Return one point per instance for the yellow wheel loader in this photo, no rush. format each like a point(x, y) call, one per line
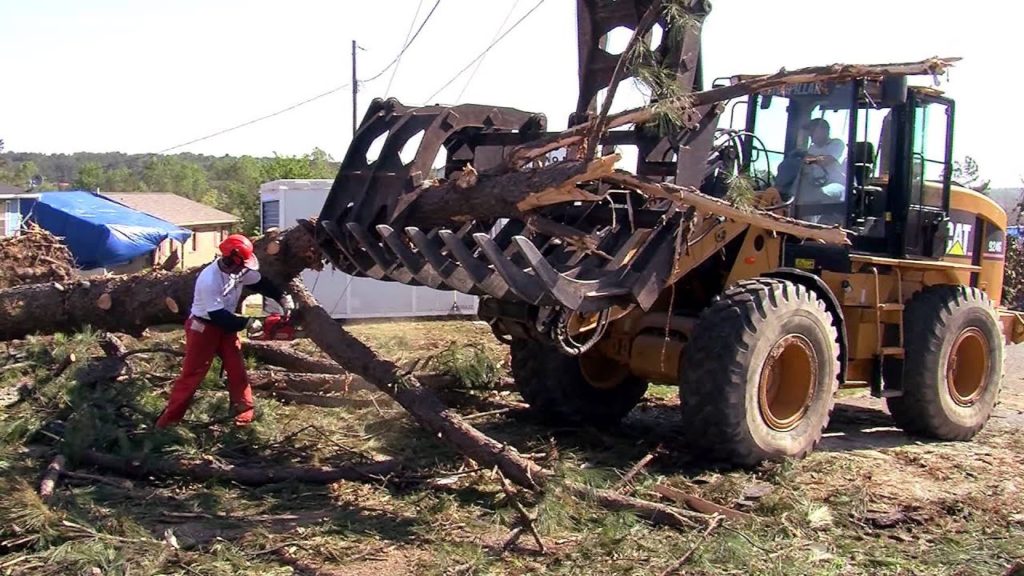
point(759, 321)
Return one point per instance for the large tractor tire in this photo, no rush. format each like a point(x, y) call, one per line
point(759, 377)
point(953, 366)
point(557, 388)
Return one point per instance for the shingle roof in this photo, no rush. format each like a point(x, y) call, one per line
point(172, 208)
point(8, 189)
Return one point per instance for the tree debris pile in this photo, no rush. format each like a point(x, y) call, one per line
point(360, 489)
point(34, 257)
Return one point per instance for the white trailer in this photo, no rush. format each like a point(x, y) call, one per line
point(283, 202)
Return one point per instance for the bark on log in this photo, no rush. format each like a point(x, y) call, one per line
point(139, 300)
point(286, 357)
point(307, 383)
point(502, 195)
point(835, 73)
point(248, 476)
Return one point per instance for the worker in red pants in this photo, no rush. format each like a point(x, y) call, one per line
point(212, 329)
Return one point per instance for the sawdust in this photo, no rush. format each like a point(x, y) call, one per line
point(34, 257)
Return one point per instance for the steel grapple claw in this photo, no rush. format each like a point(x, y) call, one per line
point(614, 248)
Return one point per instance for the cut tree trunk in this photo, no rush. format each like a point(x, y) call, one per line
point(140, 300)
point(502, 196)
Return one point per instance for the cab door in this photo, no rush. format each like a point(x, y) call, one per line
point(928, 177)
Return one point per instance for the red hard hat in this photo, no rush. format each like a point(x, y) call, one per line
point(239, 248)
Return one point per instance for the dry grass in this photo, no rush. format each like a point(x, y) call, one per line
point(870, 501)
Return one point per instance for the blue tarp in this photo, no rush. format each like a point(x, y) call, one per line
point(100, 232)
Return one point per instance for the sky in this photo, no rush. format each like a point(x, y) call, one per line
point(131, 76)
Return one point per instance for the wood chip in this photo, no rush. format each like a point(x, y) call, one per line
point(757, 490)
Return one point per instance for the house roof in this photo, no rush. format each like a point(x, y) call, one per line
point(8, 189)
point(172, 208)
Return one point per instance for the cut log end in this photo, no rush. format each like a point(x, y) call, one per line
point(50, 477)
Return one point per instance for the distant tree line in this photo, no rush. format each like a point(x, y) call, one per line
point(228, 183)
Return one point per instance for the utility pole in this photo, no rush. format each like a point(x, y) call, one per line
point(355, 88)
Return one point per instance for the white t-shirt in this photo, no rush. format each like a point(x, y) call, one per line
point(836, 149)
point(216, 289)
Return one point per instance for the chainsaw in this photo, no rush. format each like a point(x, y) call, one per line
point(274, 327)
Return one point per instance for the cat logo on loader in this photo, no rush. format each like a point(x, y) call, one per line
point(959, 238)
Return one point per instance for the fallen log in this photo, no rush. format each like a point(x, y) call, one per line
point(427, 409)
point(318, 400)
point(286, 357)
point(419, 401)
point(140, 300)
point(247, 476)
point(502, 195)
point(525, 153)
point(307, 383)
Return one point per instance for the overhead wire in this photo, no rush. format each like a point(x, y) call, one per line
point(485, 51)
point(312, 99)
point(260, 119)
point(408, 34)
point(481, 61)
point(406, 47)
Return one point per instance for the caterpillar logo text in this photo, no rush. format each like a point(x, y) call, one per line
point(959, 238)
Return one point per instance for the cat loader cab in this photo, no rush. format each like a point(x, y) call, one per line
point(919, 286)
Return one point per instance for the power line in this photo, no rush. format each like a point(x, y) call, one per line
point(407, 35)
point(309, 100)
point(260, 119)
point(406, 47)
point(481, 61)
point(486, 50)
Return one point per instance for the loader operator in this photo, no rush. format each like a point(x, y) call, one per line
point(828, 153)
point(212, 329)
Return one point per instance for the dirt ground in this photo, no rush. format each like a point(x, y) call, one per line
point(871, 500)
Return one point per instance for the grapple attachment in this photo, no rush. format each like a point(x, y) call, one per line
point(571, 259)
point(582, 256)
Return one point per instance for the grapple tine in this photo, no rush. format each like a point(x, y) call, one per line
point(525, 285)
point(482, 275)
point(453, 274)
point(568, 292)
point(391, 268)
point(580, 295)
point(419, 269)
point(364, 266)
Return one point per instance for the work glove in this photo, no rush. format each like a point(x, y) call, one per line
point(287, 304)
point(254, 326)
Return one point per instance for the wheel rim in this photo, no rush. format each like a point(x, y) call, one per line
point(967, 367)
point(787, 382)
